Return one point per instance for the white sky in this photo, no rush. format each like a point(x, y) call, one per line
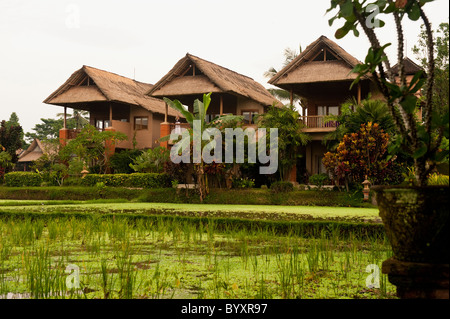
point(43, 42)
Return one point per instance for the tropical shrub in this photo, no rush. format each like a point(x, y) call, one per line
point(319, 179)
point(19, 179)
point(281, 187)
point(140, 180)
point(120, 161)
point(243, 183)
point(151, 161)
point(359, 155)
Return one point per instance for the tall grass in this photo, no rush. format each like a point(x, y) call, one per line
point(169, 257)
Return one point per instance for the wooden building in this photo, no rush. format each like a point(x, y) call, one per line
point(321, 75)
point(114, 103)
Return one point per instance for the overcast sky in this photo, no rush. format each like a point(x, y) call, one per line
point(44, 42)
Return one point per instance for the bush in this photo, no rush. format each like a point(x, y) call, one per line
point(243, 183)
point(438, 179)
point(19, 179)
point(281, 187)
point(141, 180)
point(319, 179)
point(120, 161)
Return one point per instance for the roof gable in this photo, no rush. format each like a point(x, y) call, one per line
point(90, 84)
point(325, 61)
point(193, 75)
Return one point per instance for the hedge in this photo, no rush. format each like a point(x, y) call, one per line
point(140, 180)
point(19, 179)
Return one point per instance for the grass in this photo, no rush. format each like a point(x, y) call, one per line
point(177, 258)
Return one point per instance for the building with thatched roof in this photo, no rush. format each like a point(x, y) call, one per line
point(321, 75)
point(115, 103)
point(34, 152)
point(232, 93)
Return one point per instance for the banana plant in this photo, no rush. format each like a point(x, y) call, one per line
point(198, 118)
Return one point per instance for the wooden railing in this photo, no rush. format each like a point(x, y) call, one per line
point(318, 122)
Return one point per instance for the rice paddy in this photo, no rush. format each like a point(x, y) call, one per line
point(117, 257)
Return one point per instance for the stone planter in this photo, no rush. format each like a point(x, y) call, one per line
point(416, 221)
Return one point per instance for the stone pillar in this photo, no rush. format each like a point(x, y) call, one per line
point(164, 130)
point(63, 137)
point(418, 280)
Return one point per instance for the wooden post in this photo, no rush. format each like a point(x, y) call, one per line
point(221, 105)
point(291, 95)
point(65, 116)
point(165, 113)
point(110, 114)
point(359, 92)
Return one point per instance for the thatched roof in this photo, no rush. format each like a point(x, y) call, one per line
point(90, 84)
point(36, 150)
point(209, 77)
point(304, 68)
point(410, 66)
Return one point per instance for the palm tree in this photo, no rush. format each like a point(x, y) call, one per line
point(289, 56)
point(79, 118)
point(354, 114)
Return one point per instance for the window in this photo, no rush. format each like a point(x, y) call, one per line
point(249, 116)
point(102, 124)
point(141, 123)
point(328, 110)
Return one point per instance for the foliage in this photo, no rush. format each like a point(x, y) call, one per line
point(200, 109)
point(19, 179)
point(89, 147)
point(120, 161)
point(243, 183)
point(319, 179)
point(10, 139)
point(440, 87)
point(5, 164)
point(141, 180)
point(151, 160)
point(354, 114)
point(290, 135)
point(360, 154)
point(415, 138)
point(289, 56)
point(438, 179)
point(281, 187)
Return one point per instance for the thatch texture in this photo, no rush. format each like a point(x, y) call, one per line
point(105, 86)
point(410, 66)
point(303, 70)
point(213, 78)
point(36, 150)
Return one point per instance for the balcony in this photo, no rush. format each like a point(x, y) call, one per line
point(316, 123)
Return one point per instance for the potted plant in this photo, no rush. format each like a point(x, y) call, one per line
point(415, 217)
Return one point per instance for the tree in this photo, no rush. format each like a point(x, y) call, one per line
point(10, 139)
point(289, 56)
point(290, 135)
point(420, 140)
point(200, 109)
point(78, 119)
point(353, 115)
point(359, 155)
point(440, 87)
point(89, 147)
point(47, 130)
point(14, 121)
